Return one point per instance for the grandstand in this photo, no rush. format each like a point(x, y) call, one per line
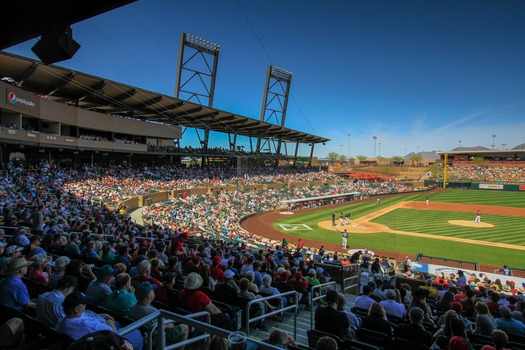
point(80, 155)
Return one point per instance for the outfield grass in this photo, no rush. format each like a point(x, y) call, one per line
point(508, 229)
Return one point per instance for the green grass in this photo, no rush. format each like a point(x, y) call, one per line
point(508, 229)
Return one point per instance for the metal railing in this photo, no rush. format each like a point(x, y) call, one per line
point(330, 284)
point(162, 315)
point(294, 307)
point(346, 284)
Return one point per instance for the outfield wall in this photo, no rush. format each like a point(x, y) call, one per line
point(484, 186)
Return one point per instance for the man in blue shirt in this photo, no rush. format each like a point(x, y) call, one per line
point(13, 291)
point(99, 289)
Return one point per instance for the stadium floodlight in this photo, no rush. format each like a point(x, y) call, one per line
point(200, 43)
point(280, 74)
point(493, 141)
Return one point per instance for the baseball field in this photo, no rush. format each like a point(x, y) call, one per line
point(407, 225)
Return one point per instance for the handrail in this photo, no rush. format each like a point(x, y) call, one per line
point(322, 296)
point(188, 320)
point(275, 312)
point(344, 287)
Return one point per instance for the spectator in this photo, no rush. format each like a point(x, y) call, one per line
point(216, 272)
point(49, 305)
point(329, 319)
point(83, 273)
point(122, 298)
point(144, 274)
point(267, 289)
point(13, 292)
point(39, 270)
point(500, 339)
point(11, 252)
point(193, 300)
point(364, 301)
point(58, 271)
point(77, 323)
point(376, 320)
point(228, 286)
point(445, 303)
point(281, 339)
point(494, 304)
point(244, 284)
point(414, 331)
point(468, 303)
point(508, 324)
point(73, 245)
point(208, 282)
point(391, 306)
point(419, 297)
point(459, 340)
point(326, 343)
point(355, 322)
point(100, 288)
point(485, 323)
point(456, 306)
point(145, 295)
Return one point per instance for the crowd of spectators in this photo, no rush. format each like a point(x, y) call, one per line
point(482, 173)
point(54, 226)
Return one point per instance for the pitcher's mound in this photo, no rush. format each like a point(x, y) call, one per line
point(469, 223)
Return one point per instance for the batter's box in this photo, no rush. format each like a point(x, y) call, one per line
point(295, 227)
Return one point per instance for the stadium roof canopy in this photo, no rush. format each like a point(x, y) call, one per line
point(27, 19)
point(94, 93)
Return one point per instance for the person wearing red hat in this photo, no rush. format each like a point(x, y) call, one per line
point(216, 272)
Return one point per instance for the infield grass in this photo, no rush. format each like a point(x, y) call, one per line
point(507, 229)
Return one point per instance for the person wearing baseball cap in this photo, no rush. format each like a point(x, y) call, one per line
point(13, 291)
point(79, 322)
point(99, 289)
point(145, 295)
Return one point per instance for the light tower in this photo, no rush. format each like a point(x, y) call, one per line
point(375, 139)
point(493, 141)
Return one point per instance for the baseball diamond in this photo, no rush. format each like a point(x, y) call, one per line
point(406, 225)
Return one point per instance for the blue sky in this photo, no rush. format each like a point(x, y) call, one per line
point(418, 75)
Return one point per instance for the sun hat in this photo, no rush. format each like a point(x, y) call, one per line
point(74, 299)
point(193, 281)
point(14, 265)
point(144, 289)
point(106, 270)
point(228, 274)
